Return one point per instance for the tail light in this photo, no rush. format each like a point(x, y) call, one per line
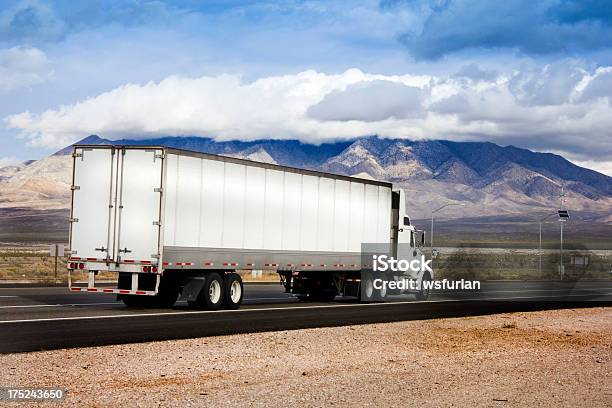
point(81, 266)
point(72, 265)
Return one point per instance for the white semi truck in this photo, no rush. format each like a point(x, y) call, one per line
point(173, 223)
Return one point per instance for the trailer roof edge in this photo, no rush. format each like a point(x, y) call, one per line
point(184, 152)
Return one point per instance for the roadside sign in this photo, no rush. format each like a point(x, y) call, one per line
point(563, 215)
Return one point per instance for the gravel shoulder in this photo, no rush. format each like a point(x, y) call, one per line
point(550, 358)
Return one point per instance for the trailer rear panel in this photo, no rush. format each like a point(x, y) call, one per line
point(116, 204)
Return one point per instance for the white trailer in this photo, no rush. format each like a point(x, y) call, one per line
point(175, 223)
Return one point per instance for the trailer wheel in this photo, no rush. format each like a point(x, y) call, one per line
point(211, 295)
point(234, 290)
point(423, 293)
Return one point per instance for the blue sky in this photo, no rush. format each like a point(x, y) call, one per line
point(533, 74)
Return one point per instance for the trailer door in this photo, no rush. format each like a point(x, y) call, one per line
point(91, 226)
point(139, 211)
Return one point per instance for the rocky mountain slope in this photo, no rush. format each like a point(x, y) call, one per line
point(485, 178)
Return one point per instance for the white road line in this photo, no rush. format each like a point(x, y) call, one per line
point(197, 312)
point(56, 305)
point(108, 303)
point(8, 296)
point(203, 312)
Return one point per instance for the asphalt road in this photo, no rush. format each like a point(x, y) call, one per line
point(43, 318)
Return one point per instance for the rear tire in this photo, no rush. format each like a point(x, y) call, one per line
point(234, 291)
point(211, 295)
point(367, 293)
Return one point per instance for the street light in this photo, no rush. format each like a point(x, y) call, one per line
point(563, 216)
point(432, 222)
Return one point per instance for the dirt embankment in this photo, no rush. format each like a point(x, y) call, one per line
point(553, 358)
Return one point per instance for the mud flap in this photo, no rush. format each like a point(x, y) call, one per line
point(192, 289)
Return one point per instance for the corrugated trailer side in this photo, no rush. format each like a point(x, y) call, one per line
point(221, 212)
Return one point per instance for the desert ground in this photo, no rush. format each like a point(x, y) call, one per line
point(548, 358)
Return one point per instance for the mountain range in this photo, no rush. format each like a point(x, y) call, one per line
point(485, 178)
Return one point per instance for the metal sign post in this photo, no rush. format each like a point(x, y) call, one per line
point(56, 250)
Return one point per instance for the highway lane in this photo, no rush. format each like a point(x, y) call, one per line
point(48, 318)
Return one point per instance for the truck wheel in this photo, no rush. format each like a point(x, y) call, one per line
point(383, 292)
point(234, 290)
point(367, 293)
point(423, 293)
point(211, 295)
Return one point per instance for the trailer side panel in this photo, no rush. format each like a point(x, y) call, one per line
point(219, 209)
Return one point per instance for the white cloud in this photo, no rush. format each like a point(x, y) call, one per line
point(552, 85)
point(598, 85)
point(22, 67)
point(314, 107)
point(370, 101)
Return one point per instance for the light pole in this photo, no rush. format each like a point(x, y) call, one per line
point(432, 223)
point(563, 216)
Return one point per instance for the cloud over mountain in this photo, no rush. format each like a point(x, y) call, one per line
point(561, 108)
point(370, 101)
